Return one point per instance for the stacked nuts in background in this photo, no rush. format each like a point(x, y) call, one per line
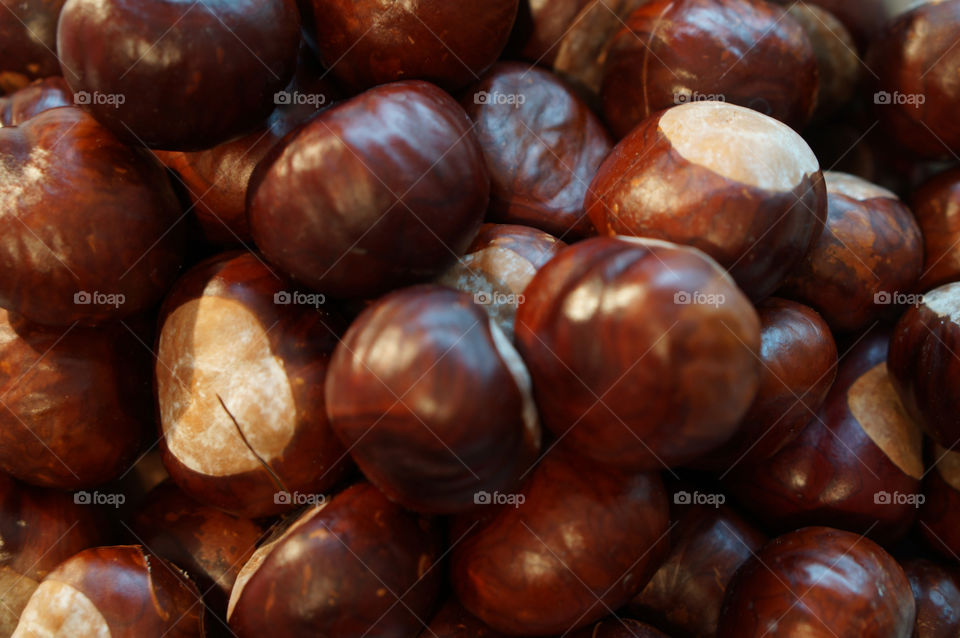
point(459, 319)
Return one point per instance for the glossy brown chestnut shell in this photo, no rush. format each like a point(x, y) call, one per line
point(542, 145)
point(740, 186)
point(89, 225)
point(643, 354)
point(939, 522)
point(375, 561)
point(581, 541)
point(818, 582)
point(42, 95)
point(175, 75)
point(241, 361)
point(385, 189)
point(936, 589)
point(744, 52)
point(936, 206)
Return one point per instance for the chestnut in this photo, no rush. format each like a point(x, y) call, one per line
point(938, 522)
point(357, 565)
point(857, 464)
point(121, 591)
point(542, 145)
point(818, 582)
point(90, 225)
point(643, 354)
point(936, 589)
point(385, 189)
point(241, 361)
point(367, 42)
point(577, 542)
point(936, 204)
point(42, 95)
point(178, 76)
point(616, 627)
point(740, 186)
point(914, 63)
point(868, 257)
point(28, 41)
point(498, 265)
point(209, 544)
point(744, 52)
point(453, 621)
point(73, 405)
point(798, 366)
point(432, 400)
point(707, 545)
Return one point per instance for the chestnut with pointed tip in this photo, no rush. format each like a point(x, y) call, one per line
point(740, 186)
point(936, 589)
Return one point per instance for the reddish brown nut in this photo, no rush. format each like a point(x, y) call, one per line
point(736, 184)
point(385, 189)
point(743, 52)
point(73, 402)
point(924, 365)
point(367, 42)
point(940, 515)
point(863, 19)
point(798, 366)
point(617, 627)
point(241, 363)
point(707, 546)
point(42, 95)
point(576, 543)
point(175, 75)
point(819, 582)
point(499, 264)
point(89, 224)
point(542, 145)
point(356, 565)
point(857, 465)
point(914, 62)
point(936, 206)
point(432, 401)
point(122, 591)
point(936, 589)
point(28, 39)
point(868, 257)
point(642, 353)
point(540, 26)
point(453, 621)
point(209, 544)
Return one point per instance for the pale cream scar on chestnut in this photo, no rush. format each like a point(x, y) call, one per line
point(57, 610)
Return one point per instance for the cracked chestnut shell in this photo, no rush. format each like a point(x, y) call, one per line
point(642, 353)
point(936, 589)
point(123, 591)
point(432, 400)
point(176, 75)
point(369, 42)
point(33, 99)
point(385, 189)
point(870, 252)
point(740, 186)
point(819, 582)
point(936, 206)
point(924, 365)
point(857, 465)
point(241, 362)
point(542, 150)
point(356, 565)
point(914, 61)
point(741, 51)
point(28, 40)
point(584, 541)
point(89, 225)
point(74, 402)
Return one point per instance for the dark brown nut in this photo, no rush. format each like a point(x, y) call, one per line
point(89, 224)
point(40, 96)
point(617, 627)
point(432, 401)
point(386, 189)
point(936, 206)
point(740, 186)
point(542, 145)
point(28, 39)
point(588, 538)
point(241, 362)
point(453, 621)
point(867, 259)
point(940, 514)
point(744, 52)
point(936, 589)
point(356, 565)
point(540, 26)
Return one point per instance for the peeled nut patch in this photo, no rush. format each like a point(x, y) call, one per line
point(855, 187)
point(57, 610)
point(739, 144)
point(874, 403)
point(944, 302)
point(214, 349)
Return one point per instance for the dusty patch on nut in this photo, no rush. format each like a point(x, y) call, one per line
point(215, 353)
point(874, 403)
point(739, 144)
point(57, 610)
point(855, 187)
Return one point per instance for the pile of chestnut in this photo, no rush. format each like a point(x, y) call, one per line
point(462, 319)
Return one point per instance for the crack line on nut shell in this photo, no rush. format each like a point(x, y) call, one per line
point(273, 475)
